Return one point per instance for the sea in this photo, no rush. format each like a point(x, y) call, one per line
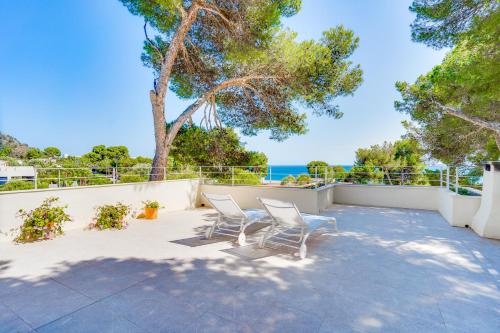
point(278, 172)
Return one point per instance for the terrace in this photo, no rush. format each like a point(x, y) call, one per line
point(385, 270)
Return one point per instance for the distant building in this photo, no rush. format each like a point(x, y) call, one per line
point(8, 173)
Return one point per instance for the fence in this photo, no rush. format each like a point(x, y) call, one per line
point(461, 179)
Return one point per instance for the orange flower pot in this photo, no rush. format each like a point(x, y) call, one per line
point(151, 213)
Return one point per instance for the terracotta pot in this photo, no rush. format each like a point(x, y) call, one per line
point(151, 213)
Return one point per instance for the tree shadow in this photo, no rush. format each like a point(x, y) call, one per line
point(361, 279)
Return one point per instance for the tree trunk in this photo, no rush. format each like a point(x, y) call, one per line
point(158, 96)
point(165, 139)
point(160, 159)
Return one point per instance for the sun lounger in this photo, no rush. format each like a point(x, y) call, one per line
point(232, 220)
point(289, 227)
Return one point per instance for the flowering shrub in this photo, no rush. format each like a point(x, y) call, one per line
point(44, 222)
point(110, 217)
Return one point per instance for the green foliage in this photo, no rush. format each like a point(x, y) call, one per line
point(17, 185)
point(442, 23)
point(257, 160)
point(151, 204)
point(317, 168)
point(133, 179)
point(196, 146)
point(467, 80)
point(10, 160)
point(245, 177)
point(111, 156)
point(288, 180)
point(365, 174)
point(98, 180)
point(110, 217)
point(250, 41)
point(52, 152)
point(337, 172)
point(43, 222)
point(391, 163)
point(5, 151)
point(34, 153)
point(303, 179)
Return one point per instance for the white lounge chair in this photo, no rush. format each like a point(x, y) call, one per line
point(289, 227)
point(231, 219)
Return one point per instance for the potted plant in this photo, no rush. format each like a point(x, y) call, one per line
point(43, 222)
point(151, 209)
point(110, 217)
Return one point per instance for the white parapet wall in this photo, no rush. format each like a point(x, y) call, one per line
point(246, 196)
point(416, 197)
point(172, 195)
point(487, 220)
point(457, 210)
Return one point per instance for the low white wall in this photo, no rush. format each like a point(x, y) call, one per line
point(325, 197)
point(487, 220)
point(81, 201)
point(246, 196)
point(458, 210)
point(416, 197)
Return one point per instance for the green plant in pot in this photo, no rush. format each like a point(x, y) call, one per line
point(110, 217)
point(43, 222)
point(151, 209)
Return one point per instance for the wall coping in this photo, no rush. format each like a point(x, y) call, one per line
point(69, 188)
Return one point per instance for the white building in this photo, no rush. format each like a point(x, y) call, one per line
point(15, 172)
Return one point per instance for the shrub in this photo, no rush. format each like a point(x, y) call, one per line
point(288, 180)
point(317, 168)
point(110, 217)
point(133, 179)
point(245, 177)
point(151, 204)
point(17, 185)
point(98, 181)
point(337, 172)
point(365, 174)
point(178, 174)
point(303, 179)
point(43, 222)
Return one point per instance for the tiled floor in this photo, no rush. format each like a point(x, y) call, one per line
point(386, 270)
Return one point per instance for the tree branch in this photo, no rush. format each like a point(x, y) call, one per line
point(491, 125)
point(151, 42)
point(205, 98)
point(217, 13)
point(173, 49)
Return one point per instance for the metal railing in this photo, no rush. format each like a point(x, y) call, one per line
point(460, 179)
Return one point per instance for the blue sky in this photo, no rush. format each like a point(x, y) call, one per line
point(71, 76)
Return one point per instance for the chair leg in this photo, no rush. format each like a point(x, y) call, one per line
point(262, 240)
point(335, 225)
point(303, 247)
point(242, 239)
point(210, 232)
